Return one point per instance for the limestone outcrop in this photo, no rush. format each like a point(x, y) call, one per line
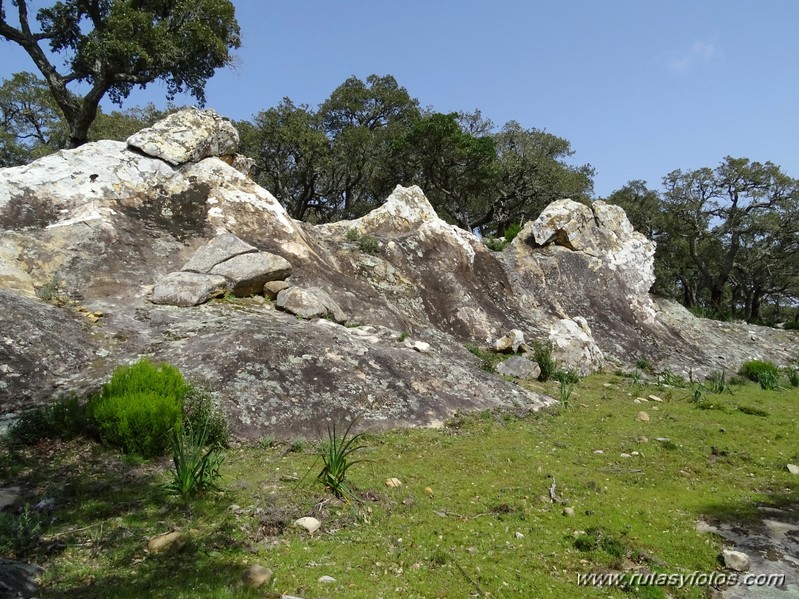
point(143, 236)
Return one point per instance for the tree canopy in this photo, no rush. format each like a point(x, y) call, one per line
point(343, 158)
point(727, 237)
point(111, 46)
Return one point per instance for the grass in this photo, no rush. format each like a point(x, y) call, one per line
point(451, 528)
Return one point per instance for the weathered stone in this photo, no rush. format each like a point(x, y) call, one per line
point(393, 483)
point(573, 346)
point(520, 368)
point(793, 468)
point(309, 303)
point(171, 541)
point(18, 579)
point(642, 417)
point(248, 273)
point(188, 135)
point(256, 576)
point(510, 342)
point(735, 560)
point(420, 346)
point(309, 523)
point(110, 221)
point(188, 288)
point(220, 248)
point(272, 288)
point(8, 497)
point(568, 512)
point(327, 579)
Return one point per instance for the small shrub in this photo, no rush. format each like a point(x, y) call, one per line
point(336, 455)
point(566, 376)
point(567, 384)
point(64, 419)
point(402, 337)
point(645, 365)
point(267, 441)
point(138, 423)
point(51, 289)
point(488, 360)
point(754, 370)
point(196, 461)
point(368, 244)
point(542, 355)
point(670, 379)
point(512, 231)
point(20, 532)
point(200, 410)
point(792, 325)
point(495, 244)
point(140, 407)
point(769, 380)
point(717, 383)
point(793, 376)
point(597, 538)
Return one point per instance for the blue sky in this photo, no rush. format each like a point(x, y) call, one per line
point(639, 88)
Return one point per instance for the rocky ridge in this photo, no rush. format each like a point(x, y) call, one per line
point(142, 235)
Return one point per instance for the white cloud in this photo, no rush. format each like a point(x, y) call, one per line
point(701, 53)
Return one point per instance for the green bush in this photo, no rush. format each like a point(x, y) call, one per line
point(542, 355)
point(792, 325)
point(140, 407)
point(495, 244)
point(755, 370)
point(511, 232)
point(138, 423)
point(64, 419)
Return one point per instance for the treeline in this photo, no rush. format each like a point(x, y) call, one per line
point(727, 237)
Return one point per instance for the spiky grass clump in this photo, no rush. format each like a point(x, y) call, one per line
point(336, 457)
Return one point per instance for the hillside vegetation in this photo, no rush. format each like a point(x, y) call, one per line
point(474, 513)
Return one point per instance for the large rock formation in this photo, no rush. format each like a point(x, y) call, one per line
point(97, 242)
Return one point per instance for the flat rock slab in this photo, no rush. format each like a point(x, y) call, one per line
point(520, 368)
point(188, 289)
point(220, 248)
point(248, 273)
point(772, 546)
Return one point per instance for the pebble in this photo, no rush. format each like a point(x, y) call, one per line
point(428, 491)
point(394, 483)
point(598, 452)
point(625, 455)
point(171, 541)
point(568, 512)
point(326, 579)
point(793, 468)
point(735, 560)
point(519, 535)
point(308, 523)
point(642, 417)
point(256, 576)
point(656, 398)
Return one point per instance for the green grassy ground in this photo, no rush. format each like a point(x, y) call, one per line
point(474, 515)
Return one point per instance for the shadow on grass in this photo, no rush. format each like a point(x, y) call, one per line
point(784, 499)
point(98, 510)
